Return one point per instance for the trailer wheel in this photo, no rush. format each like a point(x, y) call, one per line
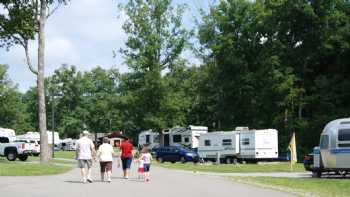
point(23, 157)
point(342, 173)
point(11, 155)
point(228, 160)
point(183, 160)
point(160, 160)
point(235, 161)
point(316, 174)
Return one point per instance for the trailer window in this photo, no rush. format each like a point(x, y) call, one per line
point(147, 139)
point(227, 142)
point(344, 145)
point(324, 141)
point(245, 141)
point(4, 140)
point(344, 135)
point(156, 139)
point(176, 138)
point(187, 139)
point(207, 143)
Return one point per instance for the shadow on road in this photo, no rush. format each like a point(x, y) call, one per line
point(73, 182)
point(113, 177)
point(129, 179)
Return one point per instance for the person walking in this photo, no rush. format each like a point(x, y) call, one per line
point(105, 155)
point(85, 153)
point(141, 170)
point(146, 157)
point(126, 156)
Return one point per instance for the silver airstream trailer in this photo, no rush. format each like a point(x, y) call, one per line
point(333, 154)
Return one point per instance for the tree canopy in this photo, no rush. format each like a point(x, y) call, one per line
point(264, 64)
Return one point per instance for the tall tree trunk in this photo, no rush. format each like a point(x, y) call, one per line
point(44, 147)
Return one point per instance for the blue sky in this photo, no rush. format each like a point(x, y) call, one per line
point(84, 33)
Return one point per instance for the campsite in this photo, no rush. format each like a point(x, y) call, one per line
point(174, 98)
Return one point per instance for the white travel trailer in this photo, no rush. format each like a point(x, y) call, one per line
point(148, 138)
point(9, 133)
point(333, 154)
point(241, 144)
point(220, 144)
point(188, 137)
point(56, 139)
point(68, 144)
point(35, 136)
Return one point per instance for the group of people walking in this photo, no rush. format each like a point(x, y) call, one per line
point(86, 155)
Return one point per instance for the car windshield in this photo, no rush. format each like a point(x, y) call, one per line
point(184, 148)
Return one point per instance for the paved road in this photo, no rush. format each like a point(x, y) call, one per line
point(256, 174)
point(164, 183)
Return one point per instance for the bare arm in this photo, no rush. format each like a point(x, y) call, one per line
point(113, 153)
point(93, 151)
point(77, 151)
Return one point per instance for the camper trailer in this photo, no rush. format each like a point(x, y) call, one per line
point(333, 154)
point(148, 138)
point(223, 145)
point(35, 136)
point(239, 145)
point(68, 144)
point(188, 137)
point(8, 133)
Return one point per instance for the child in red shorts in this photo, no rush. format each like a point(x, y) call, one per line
point(141, 168)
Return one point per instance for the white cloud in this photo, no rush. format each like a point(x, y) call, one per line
point(84, 33)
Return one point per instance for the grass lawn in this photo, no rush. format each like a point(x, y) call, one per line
point(65, 154)
point(19, 168)
point(302, 186)
point(230, 168)
point(56, 160)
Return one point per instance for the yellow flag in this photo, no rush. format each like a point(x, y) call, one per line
point(293, 149)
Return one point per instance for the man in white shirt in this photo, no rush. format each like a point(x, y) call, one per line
point(85, 151)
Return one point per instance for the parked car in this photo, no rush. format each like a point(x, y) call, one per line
point(31, 146)
point(309, 162)
point(14, 150)
point(175, 153)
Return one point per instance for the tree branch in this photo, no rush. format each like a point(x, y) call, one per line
point(29, 62)
point(50, 13)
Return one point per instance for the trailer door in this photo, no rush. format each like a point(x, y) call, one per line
point(237, 144)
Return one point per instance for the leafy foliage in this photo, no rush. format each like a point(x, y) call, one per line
point(12, 108)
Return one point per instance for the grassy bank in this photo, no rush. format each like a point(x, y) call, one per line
point(302, 186)
point(65, 154)
point(32, 167)
point(229, 168)
point(19, 168)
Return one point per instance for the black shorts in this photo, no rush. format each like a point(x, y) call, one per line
point(146, 167)
point(126, 163)
point(106, 166)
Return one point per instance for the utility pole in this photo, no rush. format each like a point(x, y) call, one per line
point(53, 124)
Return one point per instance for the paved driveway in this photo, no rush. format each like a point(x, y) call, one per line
point(164, 182)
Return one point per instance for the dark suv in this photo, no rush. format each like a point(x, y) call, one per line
point(175, 153)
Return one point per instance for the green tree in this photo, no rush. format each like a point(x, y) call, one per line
point(89, 99)
point(156, 39)
point(12, 108)
point(279, 64)
point(23, 21)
